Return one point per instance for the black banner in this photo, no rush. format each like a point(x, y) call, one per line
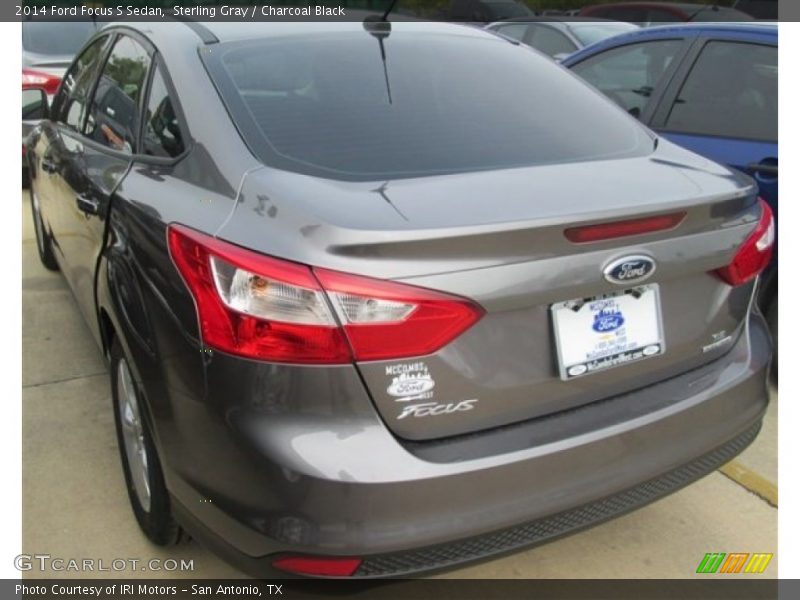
point(710, 588)
point(355, 10)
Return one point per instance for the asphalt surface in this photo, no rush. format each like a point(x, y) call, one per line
point(75, 505)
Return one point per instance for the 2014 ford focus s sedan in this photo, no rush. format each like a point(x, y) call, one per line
point(379, 299)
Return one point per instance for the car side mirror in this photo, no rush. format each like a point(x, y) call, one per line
point(34, 104)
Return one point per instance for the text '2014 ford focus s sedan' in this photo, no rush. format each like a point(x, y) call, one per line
point(384, 299)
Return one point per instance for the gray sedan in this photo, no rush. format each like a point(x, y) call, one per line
point(380, 298)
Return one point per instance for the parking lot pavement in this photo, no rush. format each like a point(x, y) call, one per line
point(75, 506)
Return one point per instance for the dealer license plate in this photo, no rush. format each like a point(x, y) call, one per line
point(600, 333)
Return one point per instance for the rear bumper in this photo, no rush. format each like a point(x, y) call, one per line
point(358, 491)
point(563, 523)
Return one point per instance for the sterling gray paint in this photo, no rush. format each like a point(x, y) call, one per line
point(313, 459)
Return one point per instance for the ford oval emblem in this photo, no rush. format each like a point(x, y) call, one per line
point(607, 321)
point(630, 269)
point(410, 386)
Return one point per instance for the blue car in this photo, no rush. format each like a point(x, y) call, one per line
point(712, 88)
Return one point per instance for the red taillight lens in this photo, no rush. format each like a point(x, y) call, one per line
point(37, 79)
point(754, 255)
point(318, 565)
point(255, 306)
point(617, 229)
point(264, 308)
point(386, 320)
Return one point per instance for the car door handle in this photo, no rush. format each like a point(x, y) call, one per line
point(90, 206)
point(765, 168)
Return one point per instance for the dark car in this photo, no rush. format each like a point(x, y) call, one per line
point(653, 13)
point(711, 88)
point(367, 318)
point(47, 50)
point(560, 36)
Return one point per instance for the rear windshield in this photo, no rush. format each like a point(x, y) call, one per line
point(57, 39)
point(339, 105)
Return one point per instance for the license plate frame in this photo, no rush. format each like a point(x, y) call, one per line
point(611, 319)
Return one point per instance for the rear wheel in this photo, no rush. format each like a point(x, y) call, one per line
point(43, 242)
point(147, 491)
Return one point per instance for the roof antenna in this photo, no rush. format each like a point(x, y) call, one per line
point(388, 10)
point(380, 28)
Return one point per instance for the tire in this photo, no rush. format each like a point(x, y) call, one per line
point(772, 322)
point(43, 242)
point(144, 478)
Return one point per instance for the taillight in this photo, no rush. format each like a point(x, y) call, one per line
point(386, 320)
point(255, 306)
point(618, 229)
point(264, 308)
point(754, 255)
point(38, 79)
point(320, 566)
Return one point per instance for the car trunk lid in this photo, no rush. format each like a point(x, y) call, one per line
point(498, 239)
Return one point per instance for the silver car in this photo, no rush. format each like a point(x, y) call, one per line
point(560, 36)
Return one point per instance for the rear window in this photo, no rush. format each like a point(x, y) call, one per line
point(63, 38)
point(329, 104)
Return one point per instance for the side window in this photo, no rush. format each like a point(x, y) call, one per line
point(162, 132)
point(114, 114)
point(69, 106)
point(629, 74)
point(551, 42)
point(515, 31)
point(731, 91)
